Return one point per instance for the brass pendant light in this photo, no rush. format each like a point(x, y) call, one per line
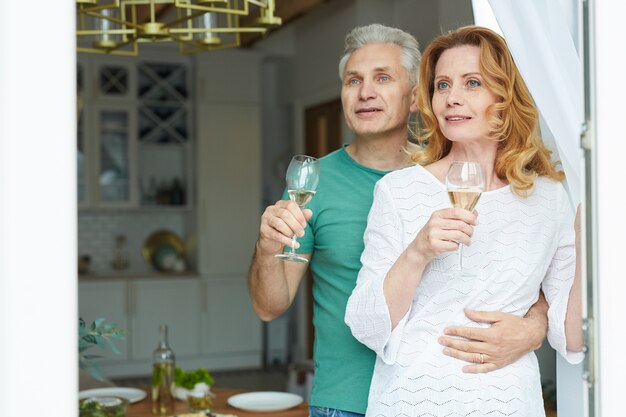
point(117, 26)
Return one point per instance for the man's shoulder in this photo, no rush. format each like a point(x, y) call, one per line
point(333, 157)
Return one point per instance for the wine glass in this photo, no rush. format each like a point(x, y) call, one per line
point(303, 175)
point(465, 184)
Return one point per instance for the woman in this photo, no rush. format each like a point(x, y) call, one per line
point(474, 107)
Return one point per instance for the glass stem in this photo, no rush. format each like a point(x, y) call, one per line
point(460, 256)
point(293, 244)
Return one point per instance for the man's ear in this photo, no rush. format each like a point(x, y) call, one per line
point(414, 99)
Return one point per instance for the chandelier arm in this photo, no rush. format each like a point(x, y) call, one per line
point(114, 20)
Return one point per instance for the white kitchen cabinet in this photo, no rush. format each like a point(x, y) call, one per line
point(175, 302)
point(134, 133)
point(229, 204)
point(210, 322)
point(231, 331)
point(229, 169)
point(108, 300)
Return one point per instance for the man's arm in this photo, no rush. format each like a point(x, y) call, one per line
point(273, 283)
point(505, 341)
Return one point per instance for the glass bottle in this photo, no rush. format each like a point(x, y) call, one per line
point(162, 376)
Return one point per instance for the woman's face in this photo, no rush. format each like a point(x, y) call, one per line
point(460, 97)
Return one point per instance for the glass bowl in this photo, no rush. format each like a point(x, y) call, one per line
point(108, 406)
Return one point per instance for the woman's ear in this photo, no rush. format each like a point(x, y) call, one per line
point(414, 99)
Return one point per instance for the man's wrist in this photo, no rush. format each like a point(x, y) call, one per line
point(538, 328)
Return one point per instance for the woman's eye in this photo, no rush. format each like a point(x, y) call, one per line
point(442, 85)
point(473, 83)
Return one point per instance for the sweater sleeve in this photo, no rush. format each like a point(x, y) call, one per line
point(558, 281)
point(367, 313)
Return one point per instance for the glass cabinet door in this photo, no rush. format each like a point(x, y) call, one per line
point(115, 176)
point(81, 151)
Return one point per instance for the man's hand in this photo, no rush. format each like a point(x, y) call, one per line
point(279, 223)
point(507, 339)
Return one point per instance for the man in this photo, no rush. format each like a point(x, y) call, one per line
point(379, 71)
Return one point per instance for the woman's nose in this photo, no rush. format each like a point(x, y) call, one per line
point(455, 96)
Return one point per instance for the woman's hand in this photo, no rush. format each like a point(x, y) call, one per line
point(444, 231)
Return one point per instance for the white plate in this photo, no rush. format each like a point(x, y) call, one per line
point(131, 394)
point(265, 401)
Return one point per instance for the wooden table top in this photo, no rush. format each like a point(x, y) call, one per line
point(144, 408)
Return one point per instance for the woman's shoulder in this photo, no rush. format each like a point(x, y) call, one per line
point(409, 173)
point(549, 185)
point(411, 179)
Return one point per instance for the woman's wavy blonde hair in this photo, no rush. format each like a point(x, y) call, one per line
point(521, 155)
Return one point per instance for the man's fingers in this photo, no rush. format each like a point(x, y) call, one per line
point(462, 345)
point(489, 317)
point(472, 333)
point(480, 363)
point(467, 356)
point(480, 368)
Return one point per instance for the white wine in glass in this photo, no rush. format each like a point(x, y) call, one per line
point(303, 175)
point(465, 185)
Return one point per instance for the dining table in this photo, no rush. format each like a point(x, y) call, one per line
point(143, 408)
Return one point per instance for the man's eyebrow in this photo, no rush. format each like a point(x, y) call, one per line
point(352, 72)
point(377, 69)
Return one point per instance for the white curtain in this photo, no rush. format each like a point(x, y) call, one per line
point(543, 36)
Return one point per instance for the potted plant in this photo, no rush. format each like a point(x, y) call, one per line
point(101, 334)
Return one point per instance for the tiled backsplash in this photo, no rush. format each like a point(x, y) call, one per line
point(97, 232)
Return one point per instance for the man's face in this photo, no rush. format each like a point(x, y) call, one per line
point(376, 95)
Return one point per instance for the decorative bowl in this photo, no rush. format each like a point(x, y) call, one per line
point(108, 406)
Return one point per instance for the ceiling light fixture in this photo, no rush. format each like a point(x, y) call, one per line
point(117, 27)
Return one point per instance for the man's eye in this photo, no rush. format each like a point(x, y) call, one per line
point(384, 78)
point(353, 81)
point(473, 83)
point(442, 85)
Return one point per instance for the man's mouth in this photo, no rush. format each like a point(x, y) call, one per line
point(369, 110)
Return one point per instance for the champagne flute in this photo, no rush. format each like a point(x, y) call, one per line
point(465, 184)
point(303, 175)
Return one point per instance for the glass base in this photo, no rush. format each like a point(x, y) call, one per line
point(292, 258)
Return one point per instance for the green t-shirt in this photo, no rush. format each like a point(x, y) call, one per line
point(334, 235)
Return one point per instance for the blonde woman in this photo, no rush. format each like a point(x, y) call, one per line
point(474, 106)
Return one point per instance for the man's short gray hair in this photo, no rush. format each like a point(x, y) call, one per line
point(377, 33)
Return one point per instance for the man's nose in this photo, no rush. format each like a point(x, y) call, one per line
point(368, 90)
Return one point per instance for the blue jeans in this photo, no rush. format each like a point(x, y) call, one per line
point(331, 412)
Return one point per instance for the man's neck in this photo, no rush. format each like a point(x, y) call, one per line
point(386, 154)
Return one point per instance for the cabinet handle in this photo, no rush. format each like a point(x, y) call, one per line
point(129, 299)
point(204, 296)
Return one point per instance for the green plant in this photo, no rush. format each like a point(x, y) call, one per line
point(189, 379)
point(98, 334)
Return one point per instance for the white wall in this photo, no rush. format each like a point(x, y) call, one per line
point(38, 316)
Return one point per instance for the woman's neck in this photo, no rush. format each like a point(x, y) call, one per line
point(486, 156)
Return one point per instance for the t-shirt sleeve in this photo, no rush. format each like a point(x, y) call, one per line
point(558, 281)
point(367, 313)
